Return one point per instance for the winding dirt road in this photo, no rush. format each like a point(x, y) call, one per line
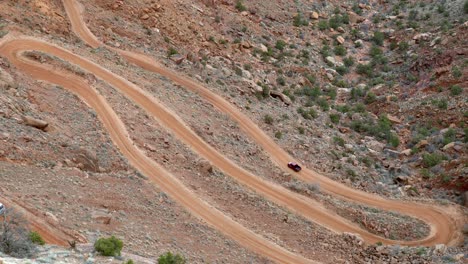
point(12, 48)
point(445, 224)
point(445, 227)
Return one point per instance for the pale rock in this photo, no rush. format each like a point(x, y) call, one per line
point(393, 119)
point(263, 48)
point(406, 152)
point(284, 98)
point(440, 248)
point(340, 39)
point(314, 15)
point(449, 146)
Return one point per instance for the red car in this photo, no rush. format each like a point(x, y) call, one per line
point(294, 166)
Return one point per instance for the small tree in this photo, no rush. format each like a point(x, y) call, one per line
point(109, 246)
point(169, 258)
point(14, 239)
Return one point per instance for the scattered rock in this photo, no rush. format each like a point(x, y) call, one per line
point(52, 219)
point(394, 119)
point(101, 217)
point(314, 15)
point(281, 96)
point(340, 39)
point(422, 143)
point(353, 238)
point(331, 60)
point(263, 48)
point(449, 146)
point(205, 166)
point(440, 249)
point(37, 123)
point(177, 58)
point(406, 152)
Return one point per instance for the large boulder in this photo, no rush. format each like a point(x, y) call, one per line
point(34, 122)
point(281, 96)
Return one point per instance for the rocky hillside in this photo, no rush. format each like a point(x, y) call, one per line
point(372, 94)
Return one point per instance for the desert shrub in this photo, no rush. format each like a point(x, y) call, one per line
point(268, 119)
point(370, 98)
point(129, 262)
point(335, 118)
point(14, 239)
point(348, 61)
point(240, 6)
point(449, 136)
point(171, 51)
point(340, 50)
point(455, 90)
point(339, 141)
point(325, 51)
point(342, 70)
point(278, 134)
point(280, 44)
point(378, 38)
point(323, 104)
point(456, 72)
point(169, 258)
point(441, 104)
point(323, 25)
point(36, 238)
point(365, 69)
point(375, 51)
point(465, 7)
point(109, 246)
point(307, 114)
point(298, 20)
point(430, 160)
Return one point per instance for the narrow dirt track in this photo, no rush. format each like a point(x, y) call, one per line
point(13, 47)
point(445, 224)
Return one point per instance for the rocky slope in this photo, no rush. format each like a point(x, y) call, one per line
point(371, 94)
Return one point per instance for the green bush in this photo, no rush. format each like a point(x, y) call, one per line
point(323, 25)
point(335, 118)
point(455, 90)
point(36, 238)
point(456, 72)
point(339, 141)
point(169, 258)
point(449, 136)
point(378, 38)
point(465, 7)
point(348, 61)
point(109, 246)
point(280, 44)
point(240, 6)
point(430, 160)
point(340, 50)
point(342, 70)
point(171, 51)
point(298, 20)
point(278, 134)
point(268, 119)
point(323, 104)
point(129, 262)
point(365, 69)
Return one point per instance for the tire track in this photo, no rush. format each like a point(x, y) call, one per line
point(12, 47)
point(445, 225)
